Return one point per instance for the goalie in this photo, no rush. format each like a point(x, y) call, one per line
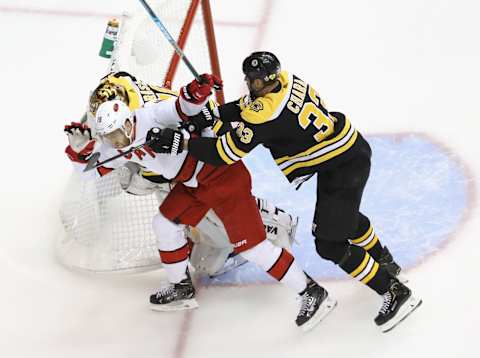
point(212, 253)
point(124, 121)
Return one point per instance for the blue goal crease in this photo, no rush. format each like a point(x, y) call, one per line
point(416, 197)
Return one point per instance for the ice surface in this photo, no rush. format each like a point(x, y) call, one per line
point(407, 75)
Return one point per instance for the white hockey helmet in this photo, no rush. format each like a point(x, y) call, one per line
point(111, 115)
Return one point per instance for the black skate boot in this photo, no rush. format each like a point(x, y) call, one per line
point(398, 303)
point(386, 261)
point(174, 297)
point(316, 305)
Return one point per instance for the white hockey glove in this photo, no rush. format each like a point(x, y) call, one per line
point(80, 142)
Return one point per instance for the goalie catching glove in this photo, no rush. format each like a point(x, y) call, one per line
point(167, 140)
point(197, 92)
point(80, 142)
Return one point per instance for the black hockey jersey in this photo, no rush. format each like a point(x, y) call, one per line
point(292, 122)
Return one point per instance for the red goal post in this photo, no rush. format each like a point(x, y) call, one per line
point(144, 51)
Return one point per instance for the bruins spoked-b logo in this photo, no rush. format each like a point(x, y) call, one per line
point(256, 106)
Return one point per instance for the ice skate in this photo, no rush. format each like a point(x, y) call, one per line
point(386, 261)
point(398, 303)
point(316, 305)
point(175, 297)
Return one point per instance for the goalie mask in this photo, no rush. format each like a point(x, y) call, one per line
point(106, 91)
point(113, 123)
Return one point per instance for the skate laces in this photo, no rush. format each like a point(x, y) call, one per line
point(307, 304)
point(165, 291)
point(387, 299)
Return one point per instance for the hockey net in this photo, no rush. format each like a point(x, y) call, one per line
point(103, 228)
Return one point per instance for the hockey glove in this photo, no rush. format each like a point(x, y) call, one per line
point(197, 92)
point(195, 124)
point(169, 141)
point(80, 142)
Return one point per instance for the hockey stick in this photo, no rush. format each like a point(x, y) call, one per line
point(172, 41)
point(92, 161)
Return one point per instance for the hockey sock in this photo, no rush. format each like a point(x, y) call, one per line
point(175, 263)
point(278, 263)
point(172, 246)
point(369, 241)
point(359, 264)
point(365, 237)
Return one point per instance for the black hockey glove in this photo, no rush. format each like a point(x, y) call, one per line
point(167, 140)
point(202, 120)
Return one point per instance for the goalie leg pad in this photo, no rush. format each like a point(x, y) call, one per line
point(212, 231)
point(280, 226)
point(209, 260)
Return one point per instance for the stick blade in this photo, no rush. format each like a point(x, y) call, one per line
point(92, 162)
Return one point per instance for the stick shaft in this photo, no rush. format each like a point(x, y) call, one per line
point(170, 39)
point(91, 166)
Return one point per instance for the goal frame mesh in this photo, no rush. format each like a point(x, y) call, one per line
point(86, 243)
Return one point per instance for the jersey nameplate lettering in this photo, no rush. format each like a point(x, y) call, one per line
point(297, 96)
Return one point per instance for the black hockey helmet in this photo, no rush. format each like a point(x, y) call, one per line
point(261, 65)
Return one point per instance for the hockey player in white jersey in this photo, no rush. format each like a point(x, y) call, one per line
point(198, 188)
point(212, 253)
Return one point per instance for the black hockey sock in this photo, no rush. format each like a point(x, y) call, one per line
point(359, 264)
point(368, 240)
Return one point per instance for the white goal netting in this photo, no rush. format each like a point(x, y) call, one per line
point(105, 229)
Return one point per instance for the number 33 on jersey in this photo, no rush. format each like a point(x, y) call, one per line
point(293, 123)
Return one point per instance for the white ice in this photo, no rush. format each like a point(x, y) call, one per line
point(408, 66)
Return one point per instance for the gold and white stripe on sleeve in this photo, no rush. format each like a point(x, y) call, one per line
point(228, 150)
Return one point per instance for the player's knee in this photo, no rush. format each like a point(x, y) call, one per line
point(331, 250)
point(264, 254)
point(363, 225)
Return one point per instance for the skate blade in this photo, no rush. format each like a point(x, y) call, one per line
point(325, 308)
point(176, 306)
point(407, 308)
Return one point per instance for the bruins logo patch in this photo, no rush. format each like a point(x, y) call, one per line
point(256, 106)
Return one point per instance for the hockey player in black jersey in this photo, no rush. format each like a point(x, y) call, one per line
point(289, 118)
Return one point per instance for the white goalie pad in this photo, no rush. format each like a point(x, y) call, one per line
point(279, 225)
point(105, 229)
point(212, 247)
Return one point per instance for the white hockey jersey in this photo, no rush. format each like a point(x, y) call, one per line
point(163, 114)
